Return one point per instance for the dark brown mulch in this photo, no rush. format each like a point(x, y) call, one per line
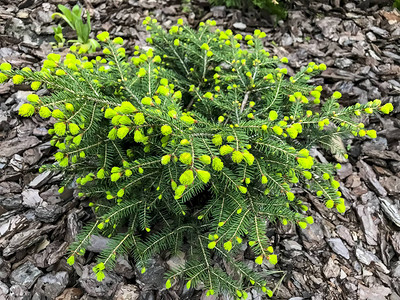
point(350, 256)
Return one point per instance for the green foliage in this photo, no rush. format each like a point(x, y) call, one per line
point(197, 141)
point(59, 37)
point(396, 4)
point(186, 6)
point(273, 7)
point(74, 20)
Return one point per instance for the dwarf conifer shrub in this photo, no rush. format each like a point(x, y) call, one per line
point(193, 145)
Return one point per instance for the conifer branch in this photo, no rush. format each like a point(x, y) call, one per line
point(198, 140)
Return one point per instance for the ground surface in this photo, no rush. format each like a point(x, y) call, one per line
point(350, 256)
